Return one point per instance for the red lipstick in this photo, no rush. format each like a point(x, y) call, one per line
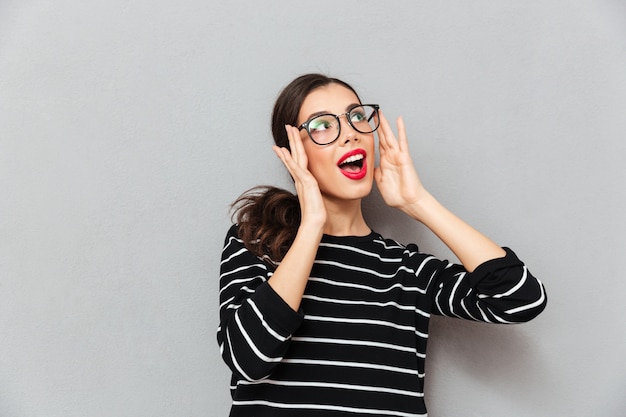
point(353, 164)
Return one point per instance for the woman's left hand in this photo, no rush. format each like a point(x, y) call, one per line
point(396, 176)
point(400, 187)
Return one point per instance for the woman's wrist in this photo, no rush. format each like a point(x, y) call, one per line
point(469, 245)
point(311, 230)
point(421, 207)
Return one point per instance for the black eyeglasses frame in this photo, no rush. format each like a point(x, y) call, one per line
point(376, 107)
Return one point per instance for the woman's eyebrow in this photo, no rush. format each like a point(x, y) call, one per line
point(319, 113)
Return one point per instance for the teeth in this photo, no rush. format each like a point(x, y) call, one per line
point(352, 158)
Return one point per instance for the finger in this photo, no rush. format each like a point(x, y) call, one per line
point(381, 139)
point(285, 157)
point(387, 139)
point(298, 174)
point(377, 175)
point(297, 148)
point(402, 139)
point(381, 131)
point(292, 145)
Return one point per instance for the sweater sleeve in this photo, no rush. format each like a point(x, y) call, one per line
point(255, 323)
point(501, 290)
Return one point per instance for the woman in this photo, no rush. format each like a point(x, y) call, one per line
point(320, 315)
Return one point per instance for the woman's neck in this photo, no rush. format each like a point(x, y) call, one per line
point(345, 218)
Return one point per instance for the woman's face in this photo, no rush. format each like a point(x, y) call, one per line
point(338, 168)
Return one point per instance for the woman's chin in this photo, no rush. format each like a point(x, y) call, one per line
point(355, 191)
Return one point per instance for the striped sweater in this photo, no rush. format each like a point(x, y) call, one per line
point(357, 346)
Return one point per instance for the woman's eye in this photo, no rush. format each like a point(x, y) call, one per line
point(317, 125)
point(357, 115)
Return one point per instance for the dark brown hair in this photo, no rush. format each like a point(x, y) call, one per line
point(269, 217)
point(288, 103)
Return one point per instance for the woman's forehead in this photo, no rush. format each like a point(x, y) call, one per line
point(331, 98)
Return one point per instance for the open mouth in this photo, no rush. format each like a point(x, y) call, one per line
point(353, 164)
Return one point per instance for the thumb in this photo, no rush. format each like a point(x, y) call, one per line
point(378, 175)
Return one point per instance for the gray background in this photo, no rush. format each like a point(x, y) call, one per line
point(127, 128)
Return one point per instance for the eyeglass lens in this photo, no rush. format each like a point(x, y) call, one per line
point(325, 128)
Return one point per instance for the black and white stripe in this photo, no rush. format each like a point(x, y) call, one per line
point(357, 347)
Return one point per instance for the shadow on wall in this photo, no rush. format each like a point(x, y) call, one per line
point(389, 222)
point(503, 360)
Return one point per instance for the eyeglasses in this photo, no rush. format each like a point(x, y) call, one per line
point(326, 128)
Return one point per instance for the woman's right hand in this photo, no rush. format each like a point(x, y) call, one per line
point(290, 278)
point(308, 191)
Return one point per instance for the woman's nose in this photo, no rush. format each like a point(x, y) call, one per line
point(348, 133)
